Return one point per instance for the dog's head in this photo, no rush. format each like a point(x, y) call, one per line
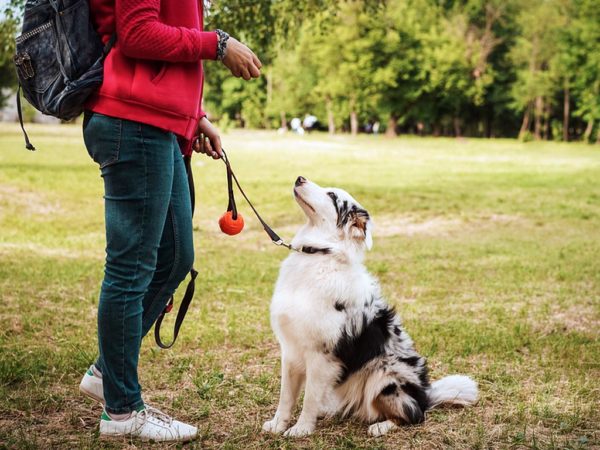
point(334, 213)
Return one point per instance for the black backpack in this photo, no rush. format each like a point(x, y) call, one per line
point(59, 58)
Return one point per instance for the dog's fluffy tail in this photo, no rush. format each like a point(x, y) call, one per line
point(453, 390)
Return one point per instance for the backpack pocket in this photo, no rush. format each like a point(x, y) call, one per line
point(36, 61)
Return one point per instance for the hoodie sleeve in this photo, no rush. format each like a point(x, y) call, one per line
point(141, 34)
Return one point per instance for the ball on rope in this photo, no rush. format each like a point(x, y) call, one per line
point(230, 226)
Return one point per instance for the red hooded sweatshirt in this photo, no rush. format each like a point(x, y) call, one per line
point(153, 74)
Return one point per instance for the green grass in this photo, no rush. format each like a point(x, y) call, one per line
point(490, 250)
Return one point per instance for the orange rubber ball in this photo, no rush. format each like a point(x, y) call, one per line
point(230, 226)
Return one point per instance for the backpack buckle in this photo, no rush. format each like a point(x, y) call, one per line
point(24, 66)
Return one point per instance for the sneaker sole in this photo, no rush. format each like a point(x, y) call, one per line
point(117, 437)
point(91, 395)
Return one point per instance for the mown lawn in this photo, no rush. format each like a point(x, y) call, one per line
point(490, 250)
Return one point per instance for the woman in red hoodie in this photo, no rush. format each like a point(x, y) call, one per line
point(136, 127)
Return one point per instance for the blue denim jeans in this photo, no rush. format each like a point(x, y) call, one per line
point(149, 247)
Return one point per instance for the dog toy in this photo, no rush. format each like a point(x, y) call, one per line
point(231, 222)
point(229, 225)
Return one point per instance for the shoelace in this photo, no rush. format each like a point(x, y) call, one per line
point(157, 414)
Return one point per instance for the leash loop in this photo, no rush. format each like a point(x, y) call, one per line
point(272, 234)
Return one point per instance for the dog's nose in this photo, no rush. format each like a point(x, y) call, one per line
point(300, 180)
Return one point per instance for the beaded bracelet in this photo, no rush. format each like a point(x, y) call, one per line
point(221, 44)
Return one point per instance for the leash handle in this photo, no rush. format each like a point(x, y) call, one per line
point(183, 308)
point(189, 291)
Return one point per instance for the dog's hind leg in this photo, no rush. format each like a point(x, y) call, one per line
point(292, 378)
point(320, 378)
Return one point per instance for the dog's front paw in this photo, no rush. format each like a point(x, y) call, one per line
point(300, 430)
point(381, 428)
point(275, 425)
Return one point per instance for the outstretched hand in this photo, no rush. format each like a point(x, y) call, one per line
point(241, 60)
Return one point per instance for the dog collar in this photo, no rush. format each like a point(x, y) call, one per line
point(312, 250)
point(309, 250)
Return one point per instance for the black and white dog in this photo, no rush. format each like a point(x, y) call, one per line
point(338, 337)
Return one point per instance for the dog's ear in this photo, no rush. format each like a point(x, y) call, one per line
point(360, 227)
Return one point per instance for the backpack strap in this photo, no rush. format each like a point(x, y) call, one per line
point(28, 145)
point(109, 45)
point(189, 291)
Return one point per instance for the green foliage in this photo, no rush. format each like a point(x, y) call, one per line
point(472, 66)
point(451, 67)
point(9, 25)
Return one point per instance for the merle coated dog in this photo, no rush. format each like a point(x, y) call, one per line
point(338, 337)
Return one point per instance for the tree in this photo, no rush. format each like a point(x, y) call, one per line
point(8, 31)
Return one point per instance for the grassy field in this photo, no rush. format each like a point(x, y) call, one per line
point(489, 249)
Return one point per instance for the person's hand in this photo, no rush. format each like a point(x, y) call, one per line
point(241, 60)
point(208, 140)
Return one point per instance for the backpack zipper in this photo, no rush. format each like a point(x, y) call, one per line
point(33, 32)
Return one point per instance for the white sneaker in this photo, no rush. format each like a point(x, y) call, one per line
point(148, 424)
point(91, 385)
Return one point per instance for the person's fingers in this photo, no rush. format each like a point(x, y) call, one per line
point(196, 145)
point(245, 74)
point(202, 144)
point(211, 150)
point(217, 147)
point(256, 61)
point(208, 146)
point(254, 71)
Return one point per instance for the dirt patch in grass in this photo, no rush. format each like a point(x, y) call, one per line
point(10, 248)
point(407, 225)
point(28, 202)
point(581, 317)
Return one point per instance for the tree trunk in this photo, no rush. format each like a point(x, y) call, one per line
point(587, 134)
point(566, 108)
point(353, 118)
point(525, 123)
point(436, 129)
point(456, 122)
point(391, 126)
point(353, 123)
point(330, 116)
point(269, 86)
point(283, 120)
point(539, 110)
point(547, 116)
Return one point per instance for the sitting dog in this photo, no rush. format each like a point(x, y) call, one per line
point(338, 337)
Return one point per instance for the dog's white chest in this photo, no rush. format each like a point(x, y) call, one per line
point(311, 303)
